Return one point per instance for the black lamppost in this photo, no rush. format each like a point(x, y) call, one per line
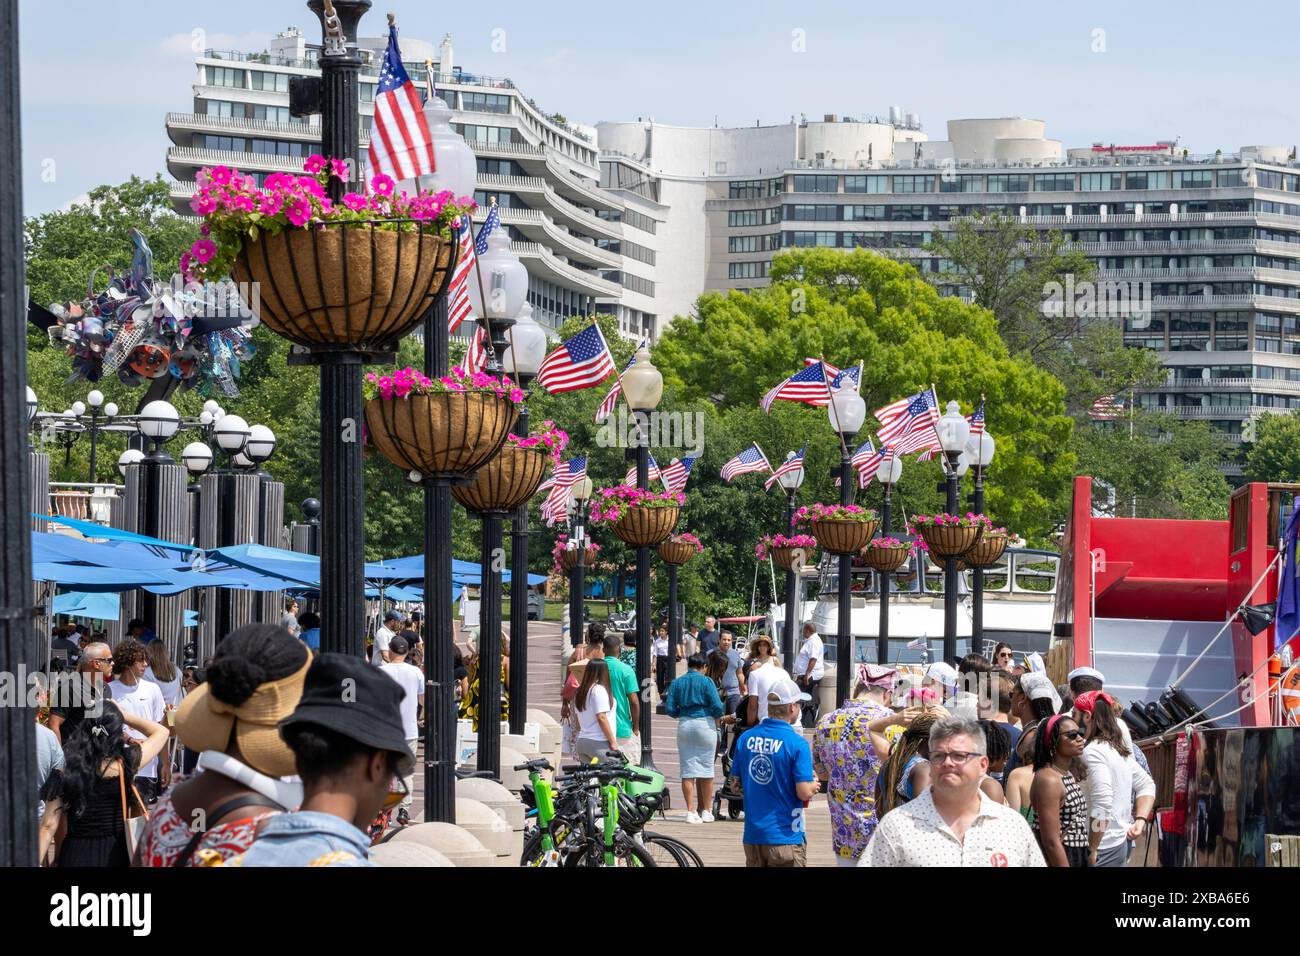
point(790, 483)
point(90, 417)
point(887, 473)
point(579, 494)
point(953, 431)
point(643, 387)
point(846, 411)
point(521, 360)
point(979, 451)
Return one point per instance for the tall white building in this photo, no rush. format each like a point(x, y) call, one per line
point(581, 254)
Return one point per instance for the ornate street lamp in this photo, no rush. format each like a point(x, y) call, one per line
point(979, 452)
point(232, 434)
point(790, 483)
point(887, 473)
point(158, 422)
point(197, 458)
point(954, 430)
point(643, 387)
point(132, 456)
point(846, 412)
point(521, 360)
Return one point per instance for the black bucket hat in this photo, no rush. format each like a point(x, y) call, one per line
point(357, 700)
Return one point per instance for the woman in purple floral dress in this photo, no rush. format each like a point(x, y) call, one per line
point(848, 748)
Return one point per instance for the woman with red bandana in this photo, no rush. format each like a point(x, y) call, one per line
point(1120, 793)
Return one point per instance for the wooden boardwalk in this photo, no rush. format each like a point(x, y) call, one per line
point(718, 843)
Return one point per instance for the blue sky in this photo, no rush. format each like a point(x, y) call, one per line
point(96, 88)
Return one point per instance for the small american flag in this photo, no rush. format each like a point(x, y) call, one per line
point(651, 474)
point(1106, 408)
point(791, 464)
point(581, 362)
point(610, 401)
point(675, 475)
point(458, 307)
point(563, 478)
point(910, 424)
point(807, 385)
point(476, 355)
point(976, 422)
point(865, 460)
point(749, 460)
point(400, 144)
point(867, 470)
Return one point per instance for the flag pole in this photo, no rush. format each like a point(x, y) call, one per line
point(490, 350)
point(943, 459)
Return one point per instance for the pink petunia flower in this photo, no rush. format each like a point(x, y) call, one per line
point(383, 185)
point(204, 250)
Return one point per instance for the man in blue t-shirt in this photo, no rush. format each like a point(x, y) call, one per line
point(774, 765)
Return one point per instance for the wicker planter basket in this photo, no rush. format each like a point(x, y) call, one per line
point(676, 552)
point(949, 541)
point(791, 559)
point(884, 560)
point(441, 433)
point(985, 551)
point(507, 481)
point(569, 560)
point(844, 537)
point(646, 527)
point(351, 285)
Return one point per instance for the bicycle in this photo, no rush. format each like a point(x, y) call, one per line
point(546, 854)
point(585, 828)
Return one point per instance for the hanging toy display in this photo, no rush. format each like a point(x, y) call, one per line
point(141, 329)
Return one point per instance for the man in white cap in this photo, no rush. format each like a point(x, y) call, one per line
point(1084, 679)
point(774, 765)
point(944, 678)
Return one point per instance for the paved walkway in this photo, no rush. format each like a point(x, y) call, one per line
point(718, 843)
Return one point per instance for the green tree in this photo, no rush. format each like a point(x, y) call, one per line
point(1274, 455)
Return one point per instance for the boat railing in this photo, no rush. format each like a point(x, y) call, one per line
point(1028, 572)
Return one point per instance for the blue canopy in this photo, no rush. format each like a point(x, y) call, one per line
point(462, 572)
point(92, 530)
point(99, 606)
point(88, 577)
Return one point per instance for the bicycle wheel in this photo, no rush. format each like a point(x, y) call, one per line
point(627, 852)
point(532, 854)
point(663, 851)
point(673, 845)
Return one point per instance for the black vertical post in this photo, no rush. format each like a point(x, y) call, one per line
point(791, 596)
point(884, 577)
point(94, 443)
point(577, 578)
point(844, 625)
point(644, 653)
point(17, 723)
point(950, 569)
point(977, 575)
point(518, 688)
point(489, 645)
point(674, 627)
point(439, 667)
point(342, 558)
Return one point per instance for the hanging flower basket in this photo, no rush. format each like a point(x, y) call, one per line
point(354, 274)
point(950, 536)
point(641, 519)
point(451, 426)
point(987, 550)
point(507, 481)
point(680, 548)
point(843, 537)
point(564, 559)
point(788, 552)
point(887, 554)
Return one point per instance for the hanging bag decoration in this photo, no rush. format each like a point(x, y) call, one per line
point(132, 823)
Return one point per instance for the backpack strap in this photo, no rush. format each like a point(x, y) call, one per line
point(230, 806)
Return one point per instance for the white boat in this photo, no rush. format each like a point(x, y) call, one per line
point(1019, 591)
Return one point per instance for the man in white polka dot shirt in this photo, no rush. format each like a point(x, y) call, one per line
point(953, 823)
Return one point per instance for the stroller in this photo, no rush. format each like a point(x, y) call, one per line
point(735, 799)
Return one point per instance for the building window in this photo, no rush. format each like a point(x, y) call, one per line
point(271, 82)
point(1146, 180)
point(913, 184)
point(864, 240)
point(484, 134)
point(272, 114)
point(747, 270)
point(908, 213)
point(816, 184)
point(226, 76)
point(754, 188)
point(1193, 179)
point(1008, 183)
point(499, 167)
point(768, 242)
point(1097, 182)
point(807, 212)
point(961, 184)
point(866, 184)
point(224, 109)
point(754, 217)
point(231, 144)
point(485, 102)
point(1054, 183)
point(1237, 177)
point(805, 240)
point(861, 213)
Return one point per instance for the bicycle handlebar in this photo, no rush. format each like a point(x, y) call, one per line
point(541, 763)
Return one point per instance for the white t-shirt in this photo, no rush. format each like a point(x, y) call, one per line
point(171, 689)
point(812, 648)
point(382, 637)
point(1113, 784)
point(760, 682)
point(411, 680)
point(142, 699)
point(660, 646)
point(598, 702)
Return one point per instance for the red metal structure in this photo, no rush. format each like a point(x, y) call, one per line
point(1168, 570)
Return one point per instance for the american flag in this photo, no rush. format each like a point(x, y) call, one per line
point(791, 464)
point(865, 460)
point(910, 424)
point(563, 478)
point(400, 144)
point(1106, 408)
point(651, 475)
point(806, 385)
point(976, 422)
point(749, 460)
point(675, 475)
point(581, 362)
point(608, 403)
point(849, 376)
point(476, 355)
point(458, 307)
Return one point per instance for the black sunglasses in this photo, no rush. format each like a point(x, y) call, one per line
point(1074, 734)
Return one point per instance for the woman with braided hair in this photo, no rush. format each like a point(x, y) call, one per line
point(906, 771)
point(1060, 813)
